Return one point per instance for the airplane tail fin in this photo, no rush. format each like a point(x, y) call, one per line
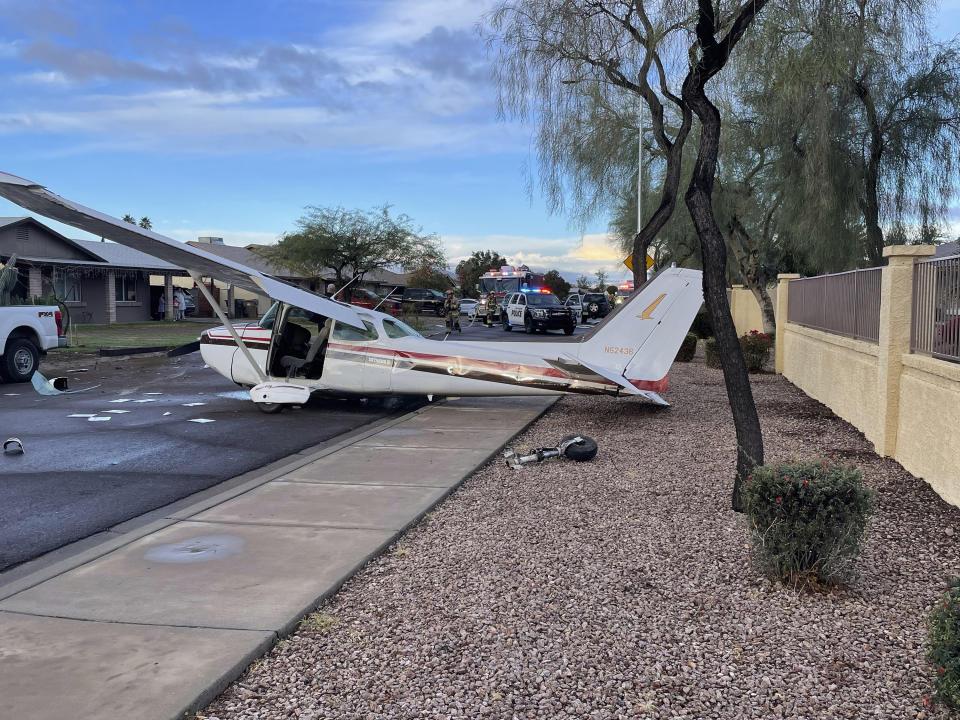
point(640, 339)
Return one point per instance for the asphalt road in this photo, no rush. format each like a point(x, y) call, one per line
point(478, 331)
point(79, 476)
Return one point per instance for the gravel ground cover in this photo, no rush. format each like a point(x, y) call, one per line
point(622, 587)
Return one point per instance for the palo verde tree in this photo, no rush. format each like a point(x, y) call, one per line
point(557, 284)
point(350, 243)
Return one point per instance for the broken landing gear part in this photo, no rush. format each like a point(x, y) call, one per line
point(574, 447)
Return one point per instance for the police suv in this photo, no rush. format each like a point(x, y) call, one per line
point(537, 309)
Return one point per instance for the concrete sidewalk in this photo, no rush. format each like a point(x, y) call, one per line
point(155, 623)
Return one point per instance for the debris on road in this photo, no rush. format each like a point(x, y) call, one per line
point(13, 446)
point(57, 387)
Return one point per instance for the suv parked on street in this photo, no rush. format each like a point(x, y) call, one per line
point(588, 305)
point(424, 300)
point(537, 310)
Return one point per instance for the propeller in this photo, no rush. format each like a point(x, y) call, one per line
point(184, 349)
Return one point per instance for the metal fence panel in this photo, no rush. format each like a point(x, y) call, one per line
point(845, 303)
point(935, 325)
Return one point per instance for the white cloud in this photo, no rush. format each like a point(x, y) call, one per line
point(572, 256)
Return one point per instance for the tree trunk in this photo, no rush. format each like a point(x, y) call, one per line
point(713, 57)
point(752, 273)
point(870, 199)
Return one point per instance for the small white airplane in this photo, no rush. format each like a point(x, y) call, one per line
point(309, 343)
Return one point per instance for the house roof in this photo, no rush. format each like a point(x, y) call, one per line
point(123, 256)
point(246, 256)
point(947, 249)
point(27, 220)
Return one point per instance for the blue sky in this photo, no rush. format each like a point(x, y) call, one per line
point(226, 119)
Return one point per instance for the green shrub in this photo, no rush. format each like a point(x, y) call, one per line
point(756, 349)
point(702, 327)
point(688, 348)
point(710, 354)
point(807, 520)
point(944, 652)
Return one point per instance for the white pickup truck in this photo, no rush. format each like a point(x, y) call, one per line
point(26, 333)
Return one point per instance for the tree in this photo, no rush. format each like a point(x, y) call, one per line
point(429, 277)
point(130, 219)
point(708, 57)
point(558, 286)
point(601, 279)
point(583, 283)
point(352, 243)
point(469, 271)
point(145, 223)
point(583, 68)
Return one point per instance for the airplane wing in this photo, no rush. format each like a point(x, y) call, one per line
point(37, 198)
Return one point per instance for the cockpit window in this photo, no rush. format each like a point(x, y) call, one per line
point(269, 317)
point(352, 334)
point(396, 329)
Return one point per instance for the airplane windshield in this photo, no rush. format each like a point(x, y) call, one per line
point(396, 329)
point(269, 317)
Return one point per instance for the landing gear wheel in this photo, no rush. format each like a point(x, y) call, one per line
point(20, 360)
point(270, 408)
point(582, 451)
point(507, 327)
point(528, 324)
point(568, 329)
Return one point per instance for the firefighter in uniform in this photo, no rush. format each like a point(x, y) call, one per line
point(493, 307)
point(451, 306)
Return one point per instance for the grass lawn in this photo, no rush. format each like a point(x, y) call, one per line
point(90, 338)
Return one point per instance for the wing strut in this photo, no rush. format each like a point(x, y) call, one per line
point(226, 322)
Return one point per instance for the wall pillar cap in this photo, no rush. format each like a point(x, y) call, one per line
point(908, 250)
point(788, 276)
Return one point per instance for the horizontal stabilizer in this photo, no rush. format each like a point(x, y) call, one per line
point(37, 198)
point(582, 370)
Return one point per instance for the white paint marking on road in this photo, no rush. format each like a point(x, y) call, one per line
point(11, 394)
point(165, 414)
point(153, 393)
point(118, 400)
point(201, 420)
point(193, 404)
point(98, 419)
point(117, 412)
point(145, 400)
point(86, 415)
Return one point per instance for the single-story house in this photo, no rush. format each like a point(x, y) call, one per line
point(99, 282)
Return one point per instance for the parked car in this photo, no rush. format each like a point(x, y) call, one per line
point(468, 306)
point(26, 333)
point(424, 300)
point(369, 299)
point(537, 311)
point(588, 305)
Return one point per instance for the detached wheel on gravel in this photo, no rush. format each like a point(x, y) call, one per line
point(20, 360)
point(582, 451)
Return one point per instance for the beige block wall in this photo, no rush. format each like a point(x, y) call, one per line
point(839, 372)
point(928, 437)
point(746, 310)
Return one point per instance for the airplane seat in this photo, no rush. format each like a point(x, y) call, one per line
point(312, 362)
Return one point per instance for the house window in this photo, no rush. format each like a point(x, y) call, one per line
point(66, 286)
point(125, 288)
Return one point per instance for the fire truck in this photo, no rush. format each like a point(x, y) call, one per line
point(499, 283)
